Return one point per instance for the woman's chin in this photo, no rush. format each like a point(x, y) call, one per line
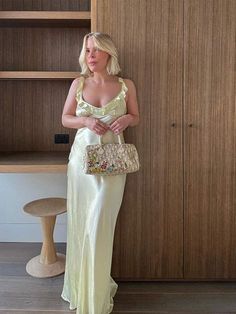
point(94, 69)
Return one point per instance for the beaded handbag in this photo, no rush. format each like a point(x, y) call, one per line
point(111, 158)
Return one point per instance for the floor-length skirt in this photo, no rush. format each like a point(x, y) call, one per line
point(93, 204)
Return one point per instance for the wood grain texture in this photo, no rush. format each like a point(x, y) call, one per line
point(36, 75)
point(210, 143)
point(40, 49)
point(43, 295)
point(31, 115)
point(44, 15)
point(148, 241)
point(45, 19)
point(13, 162)
point(45, 5)
point(94, 14)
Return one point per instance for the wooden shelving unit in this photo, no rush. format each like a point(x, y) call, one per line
point(27, 133)
point(33, 162)
point(44, 18)
point(36, 75)
point(44, 15)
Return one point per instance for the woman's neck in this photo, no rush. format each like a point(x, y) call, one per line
point(101, 77)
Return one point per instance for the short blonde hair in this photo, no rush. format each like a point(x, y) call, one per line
point(103, 42)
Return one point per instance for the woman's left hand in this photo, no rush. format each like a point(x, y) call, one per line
point(120, 124)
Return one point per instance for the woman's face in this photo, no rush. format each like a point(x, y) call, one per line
point(96, 59)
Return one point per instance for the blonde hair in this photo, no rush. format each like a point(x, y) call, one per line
point(103, 42)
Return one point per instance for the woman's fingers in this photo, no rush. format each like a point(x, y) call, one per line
point(117, 131)
point(116, 127)
point(103, 126)
point(100, 127)
point(100, 124)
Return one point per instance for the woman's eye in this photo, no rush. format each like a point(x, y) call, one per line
point(95, 50)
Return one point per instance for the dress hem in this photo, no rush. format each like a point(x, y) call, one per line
point(110, 307)
point(67, 300)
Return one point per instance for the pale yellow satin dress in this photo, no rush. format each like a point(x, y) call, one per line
point(93, 204)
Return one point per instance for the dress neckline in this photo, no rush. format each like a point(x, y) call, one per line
point(109, 102)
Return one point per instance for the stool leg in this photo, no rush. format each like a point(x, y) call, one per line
point(48, 251)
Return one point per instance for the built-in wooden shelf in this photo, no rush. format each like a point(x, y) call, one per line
point(38, 75)
point(33, 162)
point(45, 18)
point(13, 162)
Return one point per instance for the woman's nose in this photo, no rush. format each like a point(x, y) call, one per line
point(91, 54)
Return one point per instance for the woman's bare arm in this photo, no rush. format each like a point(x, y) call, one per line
point(69, 119)
point(132, 116)
point(132, 103)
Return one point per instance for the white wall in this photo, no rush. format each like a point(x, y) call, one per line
point(17, 189)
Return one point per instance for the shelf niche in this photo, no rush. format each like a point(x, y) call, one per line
point(39, 60)
point(30, 117)
point(13, 162)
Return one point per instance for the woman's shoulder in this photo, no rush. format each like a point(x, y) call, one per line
point(129, 83)
point(79, 79)
point(126, 79)
point(77, 82)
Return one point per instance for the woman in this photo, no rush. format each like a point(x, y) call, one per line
point(98, 104)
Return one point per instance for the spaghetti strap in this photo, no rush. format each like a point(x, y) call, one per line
point(124, 87)
point(79, 88)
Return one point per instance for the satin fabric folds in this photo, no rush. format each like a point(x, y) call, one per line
point(93, 204)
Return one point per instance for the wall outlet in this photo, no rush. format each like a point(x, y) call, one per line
point(61, 138)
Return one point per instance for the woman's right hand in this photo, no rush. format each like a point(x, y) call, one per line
point(96, 125)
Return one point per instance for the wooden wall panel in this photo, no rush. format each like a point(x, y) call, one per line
point(148, 241)
point(41, 49)
point(31, 115)
point(45, 5)
point(210, 143)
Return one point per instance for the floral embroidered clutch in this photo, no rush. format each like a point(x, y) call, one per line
point(111, 158)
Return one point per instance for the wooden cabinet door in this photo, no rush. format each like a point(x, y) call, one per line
point(148, 241)
point(210, 139)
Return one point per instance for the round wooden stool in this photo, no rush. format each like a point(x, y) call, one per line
point(48, 263)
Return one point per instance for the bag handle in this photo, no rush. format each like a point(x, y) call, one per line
point(118, 135)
